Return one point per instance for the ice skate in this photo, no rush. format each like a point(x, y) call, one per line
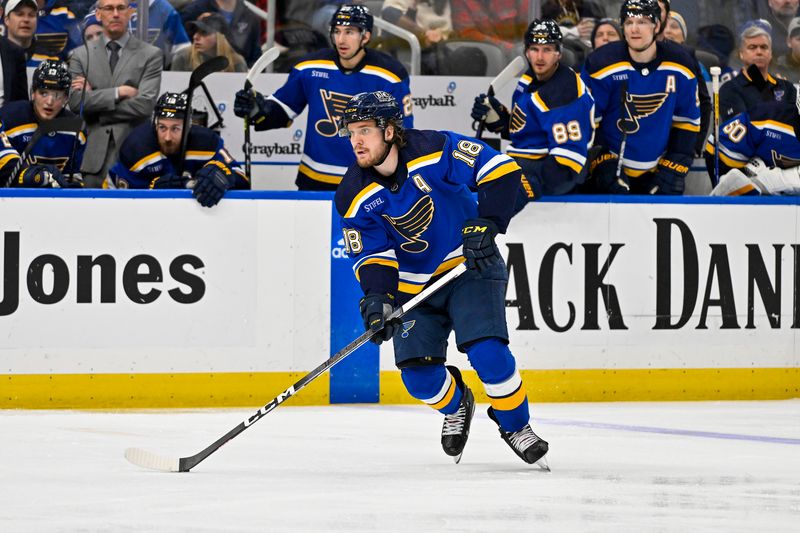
point(525, 443)
point(455, 429)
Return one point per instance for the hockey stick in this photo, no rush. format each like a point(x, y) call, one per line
point(715, 72)
point(510, 72)
point(73, 123)
point(623, 111)
point(215, 64)
point(152, 461)
point(266, 59)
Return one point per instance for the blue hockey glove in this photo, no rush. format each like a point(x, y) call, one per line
point(169, 181)
point(212, 182)
point(248, 104)
point(375, 310)
point(480, 250)
point(490, 110)
point(44, 176)
point(604, 170)
point(669, 177)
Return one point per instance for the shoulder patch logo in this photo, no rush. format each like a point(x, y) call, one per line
point(639, 106)
point(334, 103)
point(413, 224)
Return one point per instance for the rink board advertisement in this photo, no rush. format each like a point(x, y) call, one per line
point(125, 298)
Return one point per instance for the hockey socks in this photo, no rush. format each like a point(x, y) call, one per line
point(497, 370)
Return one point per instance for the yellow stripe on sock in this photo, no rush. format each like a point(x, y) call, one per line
point(507, 403)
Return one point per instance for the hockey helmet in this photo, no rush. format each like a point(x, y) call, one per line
point(353, 15)
point(640, 8)
point(171, 105)
point(543, 31)
point(379, 106)
point(53, 75)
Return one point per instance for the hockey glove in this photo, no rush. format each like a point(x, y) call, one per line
point(248, 104)
point(480, 250)
point(785, 181)
point(169, 181)
point(490, 110)
point(44, 176)
point(375, 310)
point(212, 182)
point(669, 177)
point(604, 170)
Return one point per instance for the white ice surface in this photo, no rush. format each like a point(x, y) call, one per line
point(380, 468)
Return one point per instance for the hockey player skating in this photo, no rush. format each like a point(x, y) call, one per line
point(759, 152)
point(54, 160)
point(647, 106)
point(324, 81)
point(151, 155)
point(408, 216)
point(550, 121)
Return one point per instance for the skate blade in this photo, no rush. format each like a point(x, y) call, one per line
point(457, 458)
point(542, 463)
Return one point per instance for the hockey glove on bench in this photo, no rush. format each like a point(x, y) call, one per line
point(44, 176)
point(375, 310)
point(480, 250)
point(212, 182)
point(491, 111)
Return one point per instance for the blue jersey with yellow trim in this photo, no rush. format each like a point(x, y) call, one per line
point(57, 32)
point(662, 97)
point(767, 131)
point(141, 160)
point(19, 122)
point(551, 128)
point(401, 234)
point(319, 82)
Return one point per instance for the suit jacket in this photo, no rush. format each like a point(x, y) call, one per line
point(140, 66)
point(15, 78)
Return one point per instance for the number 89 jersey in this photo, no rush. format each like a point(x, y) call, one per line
point(402, 234)
point(554, 118)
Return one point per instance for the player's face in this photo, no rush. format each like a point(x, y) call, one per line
point(204, 42)
point(114, 16)
point(348, 40)
point(543, 58)
point(368, 141)
point(673, 32)
point(756, 51)
point(47, 103)
point(169, 132)
point(21, 23)
point(639, 32)
point(605, 34)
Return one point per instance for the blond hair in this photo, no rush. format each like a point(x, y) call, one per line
point(223, 48)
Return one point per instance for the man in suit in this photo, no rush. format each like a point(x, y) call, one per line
point(121, 76)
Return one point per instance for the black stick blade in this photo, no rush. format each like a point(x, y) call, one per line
point(215, 64)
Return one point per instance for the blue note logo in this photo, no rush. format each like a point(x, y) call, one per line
point(407, 328)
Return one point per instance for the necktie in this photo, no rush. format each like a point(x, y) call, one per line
point(113, 58)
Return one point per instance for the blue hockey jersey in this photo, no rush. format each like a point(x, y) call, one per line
point(767, 131)
point(662, 109)
point(141, 160)
point(402, 234)
point(57, 32)
point(18, 125)
point(551, 128)
point(319, 82)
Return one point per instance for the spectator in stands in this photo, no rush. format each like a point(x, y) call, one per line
point(576, 18)
point(754, 84)
point(121, 77)
point(12, 67)
point(500, 22)
point(778, 13)
point(788, 65)
point(245, 26)
point(91, 27)
point(719, 41)
point(210, 38)
point(20, 18)
point(165, 29)
point(605, 31)
point(429, 20)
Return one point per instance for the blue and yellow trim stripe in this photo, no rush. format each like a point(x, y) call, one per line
point(612, 69)
point(381, 73)
point(361, 197)
point(424, 161)
point(147, 160)
point(677, 67)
